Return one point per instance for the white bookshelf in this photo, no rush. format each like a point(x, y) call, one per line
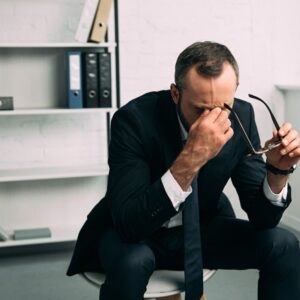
point(58, 235)
point(53, 160)
point(13, 175)
point(56, 111)
point(57, 45)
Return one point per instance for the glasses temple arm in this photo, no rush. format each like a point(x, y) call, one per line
point(244, 134)
point(267, 106)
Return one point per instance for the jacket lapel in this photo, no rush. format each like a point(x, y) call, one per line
point(170, 131)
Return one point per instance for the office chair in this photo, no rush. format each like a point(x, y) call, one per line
point(163, 284)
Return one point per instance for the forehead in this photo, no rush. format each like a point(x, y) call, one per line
point(211, 90)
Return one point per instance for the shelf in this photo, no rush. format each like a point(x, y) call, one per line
point(53, 167)
point(55, 111)
point(57, 235)
point(56, 45)
point(287, 87)
point(10, 175)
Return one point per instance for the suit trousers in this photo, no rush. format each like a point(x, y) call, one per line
point(227, 243)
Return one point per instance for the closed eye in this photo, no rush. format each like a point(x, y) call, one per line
point(199, 110)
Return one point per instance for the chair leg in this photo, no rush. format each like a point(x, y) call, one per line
point(173, 297)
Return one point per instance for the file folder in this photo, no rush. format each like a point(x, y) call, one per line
point(75, 99)
point(100, 23)
point(90, 79)
point(105, 89)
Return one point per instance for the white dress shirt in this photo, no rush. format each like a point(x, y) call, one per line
point(178, 196)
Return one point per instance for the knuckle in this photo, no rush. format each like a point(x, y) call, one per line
point(223, 138)
point(224, 113)
point(287, 125)
point(231, 131)
point(293, 132)
point(220, 142)
point(217, 110)
point(204, 125)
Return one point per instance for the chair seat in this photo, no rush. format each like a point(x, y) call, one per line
point(162, 283)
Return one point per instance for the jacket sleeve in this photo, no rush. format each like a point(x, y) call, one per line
point(138, 203)
point(248, 179)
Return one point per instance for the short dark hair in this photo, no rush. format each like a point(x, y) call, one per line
point(209, 58)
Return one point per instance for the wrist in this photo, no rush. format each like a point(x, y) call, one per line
point(279, 172)
point(276, 182)
point(184, 169)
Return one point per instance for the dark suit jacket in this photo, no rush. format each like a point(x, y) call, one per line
point(145, 141)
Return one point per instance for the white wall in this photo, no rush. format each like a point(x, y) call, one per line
point(263, 36)
point(292, 216)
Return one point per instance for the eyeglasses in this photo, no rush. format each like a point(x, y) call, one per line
point(276, 143)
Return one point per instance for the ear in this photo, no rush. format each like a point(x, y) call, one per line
point(174, 93)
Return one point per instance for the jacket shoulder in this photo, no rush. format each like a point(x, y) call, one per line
point(145, 103)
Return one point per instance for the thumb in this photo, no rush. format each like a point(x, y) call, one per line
point(205, 113)
point(275, 134)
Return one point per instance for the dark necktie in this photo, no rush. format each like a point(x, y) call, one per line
point(193, 267)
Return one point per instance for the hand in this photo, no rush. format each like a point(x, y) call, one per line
point(206, 138)
point(288, 153)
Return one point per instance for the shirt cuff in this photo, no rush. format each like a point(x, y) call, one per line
point(174, 190)
point(276, 199)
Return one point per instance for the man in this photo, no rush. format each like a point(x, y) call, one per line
point(163, 140)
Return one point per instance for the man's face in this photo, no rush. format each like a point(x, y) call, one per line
point(202, 92)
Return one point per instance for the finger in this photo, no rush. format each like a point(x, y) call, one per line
point(228, 134)
point(295, 154)
point(284, 129)
point(213, 114)
point(202, 116)
point(291, 147)
point(291, 136)
point(225, 126)
point(205, 113)
point(222, 117)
